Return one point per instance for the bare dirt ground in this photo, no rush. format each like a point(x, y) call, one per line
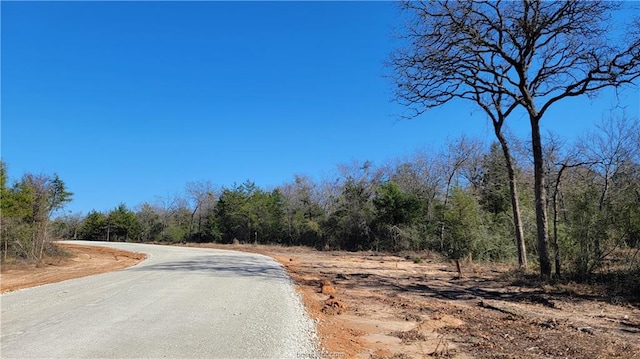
point(82, 261)
point(382, 306)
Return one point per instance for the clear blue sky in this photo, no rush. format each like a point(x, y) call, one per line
point(127, 101)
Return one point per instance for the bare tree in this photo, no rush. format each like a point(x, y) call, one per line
point(512, 55)
point(198, 193)
point(459, 152)
point(419, 174)
point(558, 161)
point(609, 152)
point(168, 206)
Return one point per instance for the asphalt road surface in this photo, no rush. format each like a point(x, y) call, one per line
point(179, 303)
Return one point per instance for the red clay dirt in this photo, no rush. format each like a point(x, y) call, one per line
point(368, 305)
point(82, 261)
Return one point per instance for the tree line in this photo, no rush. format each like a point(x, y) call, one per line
point(455, 201)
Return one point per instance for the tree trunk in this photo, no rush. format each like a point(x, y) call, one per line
point(540, 199)
point(515, 203)
point(459, 268)
point(446, 200)
point(42, 241)
point(193, 215)
point(556, 246)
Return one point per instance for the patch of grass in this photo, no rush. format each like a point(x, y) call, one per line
point(9, 260)
point(417, 260)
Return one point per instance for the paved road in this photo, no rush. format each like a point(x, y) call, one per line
point(179, 303)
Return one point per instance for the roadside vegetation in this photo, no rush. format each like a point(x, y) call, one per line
point(26, 208)
point(454, 201)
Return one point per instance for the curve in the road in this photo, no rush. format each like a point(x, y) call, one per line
point(181, 302)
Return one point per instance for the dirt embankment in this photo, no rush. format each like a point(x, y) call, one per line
point(382, 306)
point(82, 261)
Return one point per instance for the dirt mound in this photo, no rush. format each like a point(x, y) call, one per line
point(327, 288)
point(333, 306)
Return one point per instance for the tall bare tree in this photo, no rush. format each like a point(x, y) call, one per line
point(613, 152)
point(169, 206)
point(557, 162)
point(508, 56)
point(197, 194)
point(458, 154)
point(419, 174)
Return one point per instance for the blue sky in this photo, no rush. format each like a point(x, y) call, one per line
point(127, 101)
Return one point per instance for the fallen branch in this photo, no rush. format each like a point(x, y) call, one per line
point(501, 310)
